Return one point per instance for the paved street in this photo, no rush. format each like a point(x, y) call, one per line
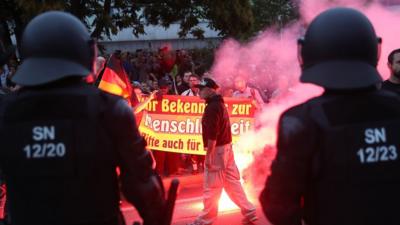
point(189, 204)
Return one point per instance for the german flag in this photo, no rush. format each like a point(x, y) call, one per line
point(115, 81)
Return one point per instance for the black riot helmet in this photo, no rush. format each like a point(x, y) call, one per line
point(55, 45)
point(340, 50)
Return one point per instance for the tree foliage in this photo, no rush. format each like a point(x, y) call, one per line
point(103, 17)
point(276, 13)
point(232, 18)
point(15, 14)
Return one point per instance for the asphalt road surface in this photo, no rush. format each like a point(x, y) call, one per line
point(189, 204)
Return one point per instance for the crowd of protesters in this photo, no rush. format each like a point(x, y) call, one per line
point(168, 72)
point(148, 68)
point(156, 73)
point(161, 72)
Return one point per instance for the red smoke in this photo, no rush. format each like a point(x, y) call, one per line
point(383, 18)
point(271, 59)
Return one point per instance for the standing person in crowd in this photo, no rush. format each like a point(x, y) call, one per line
point(185, 62)
point(147, 87)
point(227, 89)
point(178, 81)
point(167, 60)
point(244, 91)
point(185, 82)
point(165, 86)
point(393, 83)
point(4, 71)
point(126, 63)
point(6, 55)
point(143, 99)
point(193, 90)
point(154, 66)
point(153, 85)
point(100, 65)
point(196, 161)
point(338, 154)
point(10, 84)
point(282, 89)
point(221, 171)
point(226, 92)
point(167, 163)
point(141, 68)
point(63, 139)
point(137, 89)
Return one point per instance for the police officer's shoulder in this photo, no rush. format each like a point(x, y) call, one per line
point(301, 113)
point(295, 116)
point(301, 110)
point(368, 92)
point(117, 103)
point(387, 93)
point(117, 113)
point(121, 108)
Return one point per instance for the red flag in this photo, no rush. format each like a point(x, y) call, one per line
point(115, 81)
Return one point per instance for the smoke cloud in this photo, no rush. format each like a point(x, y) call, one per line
point(269, 61)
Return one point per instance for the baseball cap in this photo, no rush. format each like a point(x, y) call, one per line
point(207, 82)
point(164, 82)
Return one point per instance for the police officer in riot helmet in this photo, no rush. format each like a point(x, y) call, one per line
point(338, 154)
point(62, 140)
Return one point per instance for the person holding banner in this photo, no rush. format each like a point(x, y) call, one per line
point(167, 163)
point(196, 161)
point(220, 170)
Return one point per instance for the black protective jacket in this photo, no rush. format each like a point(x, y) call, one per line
point(215, 122)
point(337, 161)
point(60, 147)
point(389, 86)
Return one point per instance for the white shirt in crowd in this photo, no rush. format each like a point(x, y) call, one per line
point(189, 92)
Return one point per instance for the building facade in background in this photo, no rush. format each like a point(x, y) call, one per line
point(156, 37)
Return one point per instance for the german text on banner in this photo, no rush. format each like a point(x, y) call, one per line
point(173, 123)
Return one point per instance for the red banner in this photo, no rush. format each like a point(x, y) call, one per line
point(173, 123)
